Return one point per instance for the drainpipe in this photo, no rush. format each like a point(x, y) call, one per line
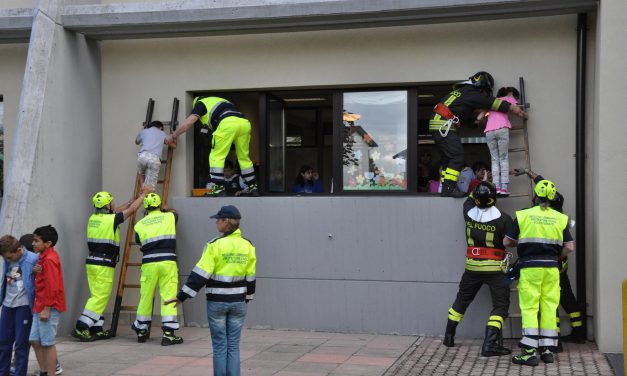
point(580, 163)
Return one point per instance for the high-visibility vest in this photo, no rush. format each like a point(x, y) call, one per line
point(217, 110)
point(157, 234)
point(103, 241)
point(541, 231)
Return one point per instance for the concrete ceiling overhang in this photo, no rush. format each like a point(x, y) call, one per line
point(15, 25)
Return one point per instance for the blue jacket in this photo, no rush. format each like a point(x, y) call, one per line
point(28, 261)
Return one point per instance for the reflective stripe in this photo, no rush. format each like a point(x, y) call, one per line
point(225, 291)
point(227, 278)
point(495, 324)
point(471, 241)
point(454, 315)
point(92, 315)
point(143, 318)
point(250, 278)
point(574, 315)
point(248, 171)
point(217, 170)
point(92, 258)
point(250, 297)
point(188, 291)
point(547, 342)
point(99, 323)
point(170, 325)
point(529, 342)
point(86, 320)
point(489, 239)
point(168, 319)
point(483, 266)
point(140, 325)
point(541, 241)
point(548, 332)
point(153, 255)
point(201, 272)
point(497, 318)
point(156, 238)
point(576, 324)
point(103, 241)
point(530, 332)
point(496, 104)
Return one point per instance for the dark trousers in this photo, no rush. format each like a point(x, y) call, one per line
point(15, 326)
point(451, 150)
point(569, 302)
point(471, 283)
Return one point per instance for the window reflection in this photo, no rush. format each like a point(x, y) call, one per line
point(375, 130)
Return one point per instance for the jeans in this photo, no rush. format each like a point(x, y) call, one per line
point(45, 331)
point(15, 328)
point(225, 322)
point(498, 143)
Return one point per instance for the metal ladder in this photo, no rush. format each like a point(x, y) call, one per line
point(129, 243)
point(525, 133)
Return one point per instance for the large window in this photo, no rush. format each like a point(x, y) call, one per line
point(374, 133)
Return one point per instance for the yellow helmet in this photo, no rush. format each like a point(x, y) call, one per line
point(152, 200)
point(101, 199)
point(545, 189)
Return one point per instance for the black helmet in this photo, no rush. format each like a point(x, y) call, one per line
point(484, 195)
point(483, 80)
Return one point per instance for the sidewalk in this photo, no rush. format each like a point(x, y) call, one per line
point(299, 353)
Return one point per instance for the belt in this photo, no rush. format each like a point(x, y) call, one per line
point(485, 253)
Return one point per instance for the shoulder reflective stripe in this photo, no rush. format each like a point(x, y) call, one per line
point(201, 272)
point(156, 238)
point(540, 240)
point(188, 291)
point(154, 255)
point(250, 278)
point(102, 241)
point(227, 278)
point(225, 291)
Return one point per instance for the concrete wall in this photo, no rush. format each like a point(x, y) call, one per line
point(608, 178)
point(383, 265)
point(11, 75)
point(17, 4)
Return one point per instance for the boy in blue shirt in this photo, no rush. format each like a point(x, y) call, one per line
point(17, 295)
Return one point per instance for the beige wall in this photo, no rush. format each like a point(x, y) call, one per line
point(11, 74)
point(610, 155)
point(17, 4)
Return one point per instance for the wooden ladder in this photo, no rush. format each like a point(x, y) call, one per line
point(129, 243)
point(525, 133)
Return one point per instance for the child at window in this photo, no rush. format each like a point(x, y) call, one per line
point(150, 141)
point(49, 299)
point(234, 184)
point(497, 136)
point(305, 183)
point(17, 296)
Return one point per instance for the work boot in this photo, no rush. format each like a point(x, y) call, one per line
point(546, 355)
point(102, 334)
point(253, 190)
point(450, 189)
point(170, 339)
point(576, 336)
point(449, 335)
point(83, 335)
point(559, 348)
point(215, 190)
point(142, 334)
point(528, 357)
point(491, 346)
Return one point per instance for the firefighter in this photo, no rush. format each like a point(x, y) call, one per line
point(485, 255)
point(456, 109)
point(543, 237)
point(103, 242)
point(229, 126)
point(568, 301)
point(156, 233)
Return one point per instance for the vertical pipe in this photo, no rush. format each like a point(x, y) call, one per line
point(580, 177)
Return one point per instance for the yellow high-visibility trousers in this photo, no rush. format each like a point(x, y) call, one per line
point(539, 291)
point(231, 130)
point(100, 282)
point(166, 275)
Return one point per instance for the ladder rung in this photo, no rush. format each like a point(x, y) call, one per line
point(164, 161)
point(517, 149)
point(518, 128)
point(128, 308)
point(160, 181)
point(132, 286)
point(514, 315)
point(517, 195)
point(133, 264)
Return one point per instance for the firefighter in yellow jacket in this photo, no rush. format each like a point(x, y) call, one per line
point(227, 271)
point(542, 236)
point(229, 126)
point(156, 233)
point(103, 242)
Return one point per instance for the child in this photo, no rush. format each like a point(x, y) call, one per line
point(17, 295)
point(49, 299)
point(151, 141)
point(234, 184)
point(497, 136)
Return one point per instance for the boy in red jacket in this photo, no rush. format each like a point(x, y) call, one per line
point(49, 299)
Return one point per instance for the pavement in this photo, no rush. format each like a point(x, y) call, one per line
point(304, 353)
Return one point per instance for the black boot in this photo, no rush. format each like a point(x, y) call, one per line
point(449, 189)
point(577, 335)
point(449, 335)
point(491, 343)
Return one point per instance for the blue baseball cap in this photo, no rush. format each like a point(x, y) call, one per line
point(228, 211)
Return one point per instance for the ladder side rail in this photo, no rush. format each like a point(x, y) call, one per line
point(523, 99)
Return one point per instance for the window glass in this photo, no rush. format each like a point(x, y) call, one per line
point(374, 140)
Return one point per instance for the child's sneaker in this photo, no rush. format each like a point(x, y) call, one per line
point(83, 335)
point(58, 370)
point(527, 358)
point(501, 192)
point(170, 339)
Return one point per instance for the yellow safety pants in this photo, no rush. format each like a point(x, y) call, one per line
point(100, 281)
point(539, 291)
point(166, 275)
point(231, 130)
